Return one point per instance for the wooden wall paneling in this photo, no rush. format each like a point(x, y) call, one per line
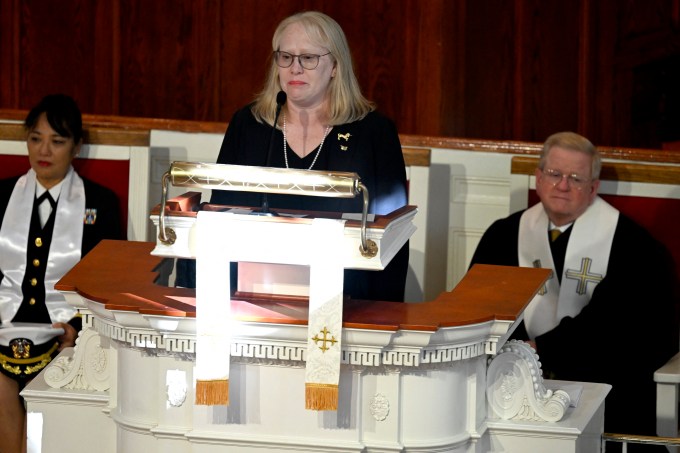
point(489, 66)
point(380, 51)
point(601, 127)
point(650, 43)
point(411, 88)
point(56, 51)
point(245, 34)
point(428, 89)
point(647, 30)
point(9, 53)
point(135, 55)
point(495, 69)
point(397, 51)
point(453, 54)
point(586, 66)
point(162, 49)
point(106, 47)
point(633, 39)
point(207, 24)
point(547, 41)
point(521, 24)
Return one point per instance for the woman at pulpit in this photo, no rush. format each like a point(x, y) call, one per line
point(311, 115)
point(50, 217)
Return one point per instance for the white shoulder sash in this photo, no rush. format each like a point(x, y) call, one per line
point(585, 262)
point(64, 251)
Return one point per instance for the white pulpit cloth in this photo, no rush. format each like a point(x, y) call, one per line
point(222, 238)
point(324, 339)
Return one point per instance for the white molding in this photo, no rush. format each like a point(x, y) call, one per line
point(515, 388)
point(139, 205)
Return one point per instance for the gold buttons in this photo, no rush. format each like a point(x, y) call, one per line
point(31, 301)
point(34, 281)
point(36, 263)
point(38, 242)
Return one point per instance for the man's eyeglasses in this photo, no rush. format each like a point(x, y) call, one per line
point(307, 60)
point(554, 177)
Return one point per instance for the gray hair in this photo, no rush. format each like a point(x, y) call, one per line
point(574, 142)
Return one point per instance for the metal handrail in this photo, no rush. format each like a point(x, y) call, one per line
point(625, 439)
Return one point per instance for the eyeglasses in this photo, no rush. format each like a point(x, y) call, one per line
point(307, 60)
point(554, 177)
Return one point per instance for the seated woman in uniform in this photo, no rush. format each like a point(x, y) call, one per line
point(50, 218)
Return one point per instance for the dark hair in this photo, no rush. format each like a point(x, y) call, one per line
point(61, 112)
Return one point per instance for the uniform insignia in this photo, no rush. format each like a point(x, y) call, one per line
point(90, 216)
point(21, 348)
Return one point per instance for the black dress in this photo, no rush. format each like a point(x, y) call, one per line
point(369, 147)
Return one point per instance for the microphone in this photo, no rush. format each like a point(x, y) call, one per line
point(280, 100)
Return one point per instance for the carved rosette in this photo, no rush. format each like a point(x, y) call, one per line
point(87, 368)
point(379, 407)
point(176, 388)
point(515, 388)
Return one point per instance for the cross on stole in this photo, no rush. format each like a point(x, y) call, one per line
point(324, 339)
point(583, 276)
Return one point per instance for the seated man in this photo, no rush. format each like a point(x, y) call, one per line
point(607, 312)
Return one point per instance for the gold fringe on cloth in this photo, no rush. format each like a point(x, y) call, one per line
point(212, 393)
point(321, 397)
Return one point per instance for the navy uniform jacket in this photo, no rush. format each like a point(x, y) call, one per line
point(106, 226)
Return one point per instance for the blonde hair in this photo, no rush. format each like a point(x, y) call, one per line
point(345, 101)
point(574, 142)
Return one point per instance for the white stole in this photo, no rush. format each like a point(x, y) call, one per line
point(222, 238)
point(65, 249)
point(213, 307)
point(324, 337)
point(585, 262)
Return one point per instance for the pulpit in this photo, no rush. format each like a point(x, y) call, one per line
point(411, 376)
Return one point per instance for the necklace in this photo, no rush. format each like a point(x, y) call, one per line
point(285, 148)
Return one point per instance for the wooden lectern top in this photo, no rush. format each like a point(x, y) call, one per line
point(122, 275)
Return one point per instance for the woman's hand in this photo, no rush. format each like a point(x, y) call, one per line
point(68, 339)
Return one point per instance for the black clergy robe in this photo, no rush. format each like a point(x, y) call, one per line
point(627, 331)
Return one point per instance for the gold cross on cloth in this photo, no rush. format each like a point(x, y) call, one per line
point(324, 340)
point(584, 276)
